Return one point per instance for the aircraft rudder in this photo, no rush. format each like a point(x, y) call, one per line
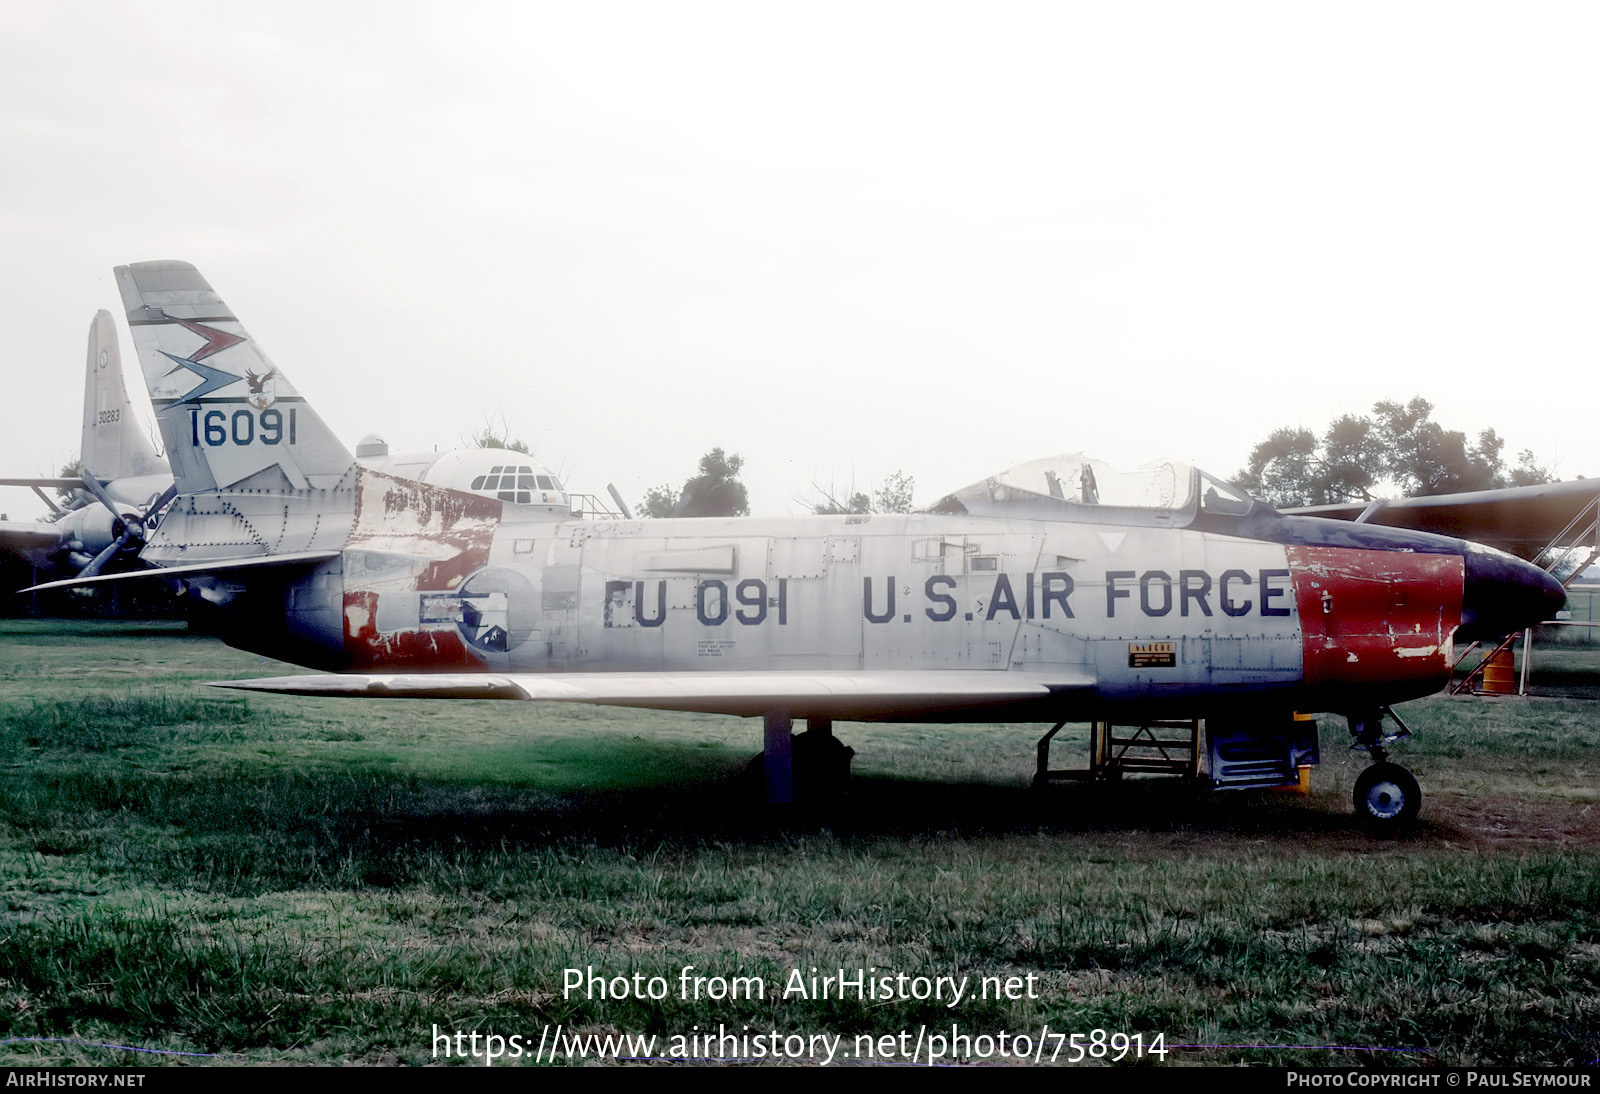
point(230, 418)
point(114, 444)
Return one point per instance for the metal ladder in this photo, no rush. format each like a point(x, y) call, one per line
point(1589, 520)
point(1145, 751)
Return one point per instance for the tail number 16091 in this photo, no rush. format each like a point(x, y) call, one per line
point(245, 426)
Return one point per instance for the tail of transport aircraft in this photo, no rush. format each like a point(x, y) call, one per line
point(114, 444)
point(230, 418)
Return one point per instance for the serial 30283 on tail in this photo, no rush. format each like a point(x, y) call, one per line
point(1058, 590)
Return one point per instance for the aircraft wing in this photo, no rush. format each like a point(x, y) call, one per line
point(1522, 520)
point(30, 540)
point(21, 535)
point(857, 695)
point(198, 569)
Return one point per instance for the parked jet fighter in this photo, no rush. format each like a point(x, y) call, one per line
point(1058, 590)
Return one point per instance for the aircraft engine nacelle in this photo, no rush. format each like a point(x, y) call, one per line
point(96, 529)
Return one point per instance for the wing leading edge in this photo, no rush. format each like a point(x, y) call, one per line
point(856, 696)
point(198, 569)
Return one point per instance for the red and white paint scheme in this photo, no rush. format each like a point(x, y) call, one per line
point(1058, 590)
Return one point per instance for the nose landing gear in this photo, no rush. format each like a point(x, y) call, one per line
point(1387, 797)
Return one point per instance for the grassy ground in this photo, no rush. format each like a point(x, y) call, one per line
point(282, 879)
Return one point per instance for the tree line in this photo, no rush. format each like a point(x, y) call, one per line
point(717, 492)
point(1397, 447)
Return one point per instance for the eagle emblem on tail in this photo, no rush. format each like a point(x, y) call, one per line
point(263, 392)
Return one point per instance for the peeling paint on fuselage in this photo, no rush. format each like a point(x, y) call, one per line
point(444, 534)
point(429, 650)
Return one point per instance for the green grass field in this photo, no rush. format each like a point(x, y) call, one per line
point(275, 879)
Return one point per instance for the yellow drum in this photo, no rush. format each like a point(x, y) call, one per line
point(1500, 674)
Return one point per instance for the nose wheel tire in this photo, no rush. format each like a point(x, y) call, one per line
point(1387, 797)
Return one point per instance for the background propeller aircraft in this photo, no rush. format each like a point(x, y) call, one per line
point(1527, 521)
point(1058, 590)
point(124, 486)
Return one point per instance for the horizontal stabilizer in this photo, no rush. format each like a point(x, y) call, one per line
point(45, 484)
point(851, 695)
point(199, 569)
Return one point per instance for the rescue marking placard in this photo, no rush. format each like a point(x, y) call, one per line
point(1152, 655)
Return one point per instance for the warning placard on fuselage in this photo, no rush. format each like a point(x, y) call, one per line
point(1152, 655)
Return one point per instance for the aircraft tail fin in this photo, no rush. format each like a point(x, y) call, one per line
point(114, 444)
point(230, 418)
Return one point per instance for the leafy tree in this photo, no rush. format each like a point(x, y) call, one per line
point(1352, 459)
point(893, 495)
point(828, 505)
point(490, 439)
point(1528, 472)
point(658, 501)
point(72, 469)
point(1399, 446)
point(493, 436)
point(1425, 458)
point(715, 492)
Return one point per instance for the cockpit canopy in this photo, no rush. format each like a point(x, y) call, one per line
point(1166, 493)
point(492, 472)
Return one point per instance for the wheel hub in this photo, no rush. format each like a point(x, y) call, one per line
point(1387, 796)
point(1385, 800)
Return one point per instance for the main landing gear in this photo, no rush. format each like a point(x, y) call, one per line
point(811, 767)
point(1387, 796)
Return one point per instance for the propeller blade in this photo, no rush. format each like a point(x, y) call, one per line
point(99, 560)
point(135, 522)
point(92, 484)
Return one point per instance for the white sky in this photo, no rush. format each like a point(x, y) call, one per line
point(838, 239)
